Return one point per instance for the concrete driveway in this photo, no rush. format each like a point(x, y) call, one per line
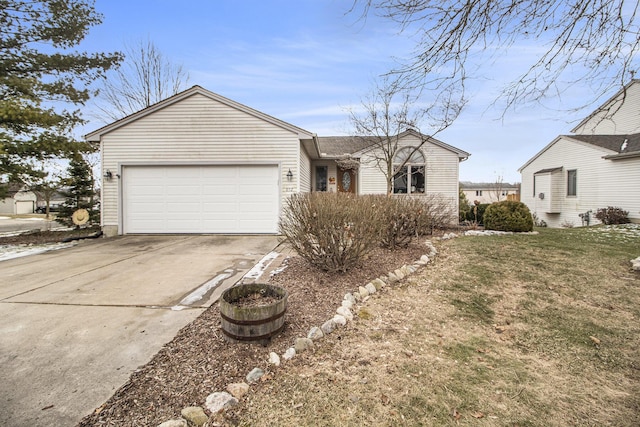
point(77, 322)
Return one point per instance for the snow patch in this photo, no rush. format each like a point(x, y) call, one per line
point(17, 251)
point(261, 266)
point(199, 293)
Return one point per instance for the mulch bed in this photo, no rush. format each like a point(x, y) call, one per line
point(41, 237)
point(199, 361)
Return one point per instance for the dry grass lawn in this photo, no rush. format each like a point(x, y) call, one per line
point(523, 330)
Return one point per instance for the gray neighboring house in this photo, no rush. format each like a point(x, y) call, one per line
point(198, 162)
point(595, 167)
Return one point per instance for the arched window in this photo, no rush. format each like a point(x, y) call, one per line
point(409, 164)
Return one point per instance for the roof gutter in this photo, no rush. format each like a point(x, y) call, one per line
point(621, 156)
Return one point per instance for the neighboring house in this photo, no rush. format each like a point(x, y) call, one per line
point(201, 163)
point(489, 192)
point(597, 166)
point(19, 200)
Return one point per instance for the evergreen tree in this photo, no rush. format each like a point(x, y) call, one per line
point(79, 192)
point(40, 74)
point(463, 206)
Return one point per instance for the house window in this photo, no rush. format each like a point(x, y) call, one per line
point(572, 182)
point(478, 192)
point(321, 178)
point(409, 165)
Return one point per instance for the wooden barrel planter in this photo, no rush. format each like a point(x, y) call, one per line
point(253, 312)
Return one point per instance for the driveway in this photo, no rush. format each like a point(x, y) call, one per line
point(77, 322)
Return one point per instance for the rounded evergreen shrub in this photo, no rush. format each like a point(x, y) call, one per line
point(508, 216)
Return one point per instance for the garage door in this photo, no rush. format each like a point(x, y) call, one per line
point(24, 207)
point(200, 199)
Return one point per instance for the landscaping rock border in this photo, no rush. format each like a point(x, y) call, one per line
point(217, 402)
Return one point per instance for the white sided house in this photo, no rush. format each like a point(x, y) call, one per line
point(596, 167)
point(201, 163)
point(18, 200)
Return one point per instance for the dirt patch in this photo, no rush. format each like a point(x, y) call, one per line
point(199, 360)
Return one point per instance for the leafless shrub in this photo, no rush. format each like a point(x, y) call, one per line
point(333, 231)
point(400, 217)
point(439, 212)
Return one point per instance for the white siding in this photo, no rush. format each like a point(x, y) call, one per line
point(195, 130)
point(620, 117)
point(600, 182)
point(372, 178)
point(442, 170)
point(305, 171)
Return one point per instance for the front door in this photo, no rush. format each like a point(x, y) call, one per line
point(346, 181)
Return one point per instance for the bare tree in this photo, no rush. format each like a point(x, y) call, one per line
point(145, 77)
point(389, 111)
point(498, 187)
point(592, 41)
point(46, 180)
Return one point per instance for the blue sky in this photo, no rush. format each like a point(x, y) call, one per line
point(306, 61)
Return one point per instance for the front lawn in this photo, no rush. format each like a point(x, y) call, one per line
point(526, 330)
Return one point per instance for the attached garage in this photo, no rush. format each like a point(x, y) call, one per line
point(200, 199)
point(199, 163)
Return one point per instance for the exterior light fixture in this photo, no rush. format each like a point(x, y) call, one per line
point(289, 175)
point(108, 175)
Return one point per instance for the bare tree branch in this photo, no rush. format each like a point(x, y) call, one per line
point(146, 77)
point(582, 41)
point(389, 110)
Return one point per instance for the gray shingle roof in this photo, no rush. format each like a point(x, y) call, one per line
point(612, 142)
point(335, 146)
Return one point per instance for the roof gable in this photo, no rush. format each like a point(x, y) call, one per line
point(609, 108)
point(97, 134)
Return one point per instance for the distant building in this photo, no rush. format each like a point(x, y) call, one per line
point(489, 192)
point(19, 200)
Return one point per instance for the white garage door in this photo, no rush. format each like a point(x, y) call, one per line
point(200, 199)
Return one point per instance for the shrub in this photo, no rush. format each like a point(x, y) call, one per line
point(538, 222)
point(438, 213)
point(612, 215)
point(405, 217)
point(463, 206)
point(399, 217)
point(476, 214)
point(333, 231)
point(508, 216)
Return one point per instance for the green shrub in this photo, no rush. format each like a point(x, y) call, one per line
point(508, 216)
point(612, 215)
point(463, 206)
point(333, 231)
point(476, 213)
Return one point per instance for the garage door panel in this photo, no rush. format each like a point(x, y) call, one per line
point(201, 199)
